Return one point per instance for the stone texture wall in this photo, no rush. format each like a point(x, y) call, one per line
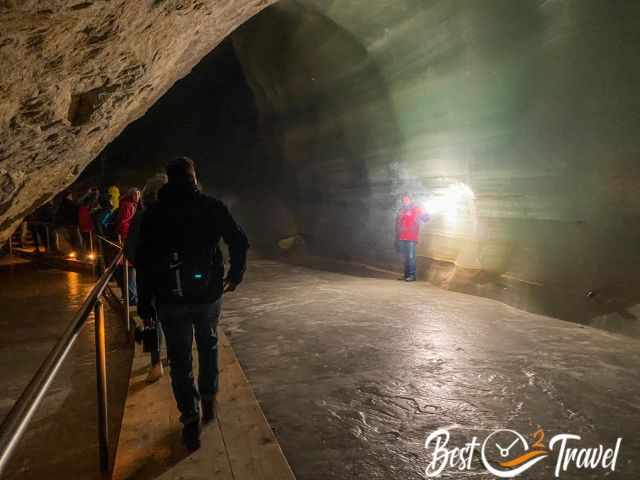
point(75, 73)
point(533, 105)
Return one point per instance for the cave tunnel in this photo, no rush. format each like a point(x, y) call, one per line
point(327, 123)
point(514, 124)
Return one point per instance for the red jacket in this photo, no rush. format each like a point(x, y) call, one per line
point(408, 223)
point(85, 221)
point(126, 212)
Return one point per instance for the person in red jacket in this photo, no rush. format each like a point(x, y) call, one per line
point(407, 234)
point(126, 212)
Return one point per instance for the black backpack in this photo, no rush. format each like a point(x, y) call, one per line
point(185, 273)
point(187, 262)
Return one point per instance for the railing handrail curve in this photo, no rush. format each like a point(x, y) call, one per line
point(17, 420)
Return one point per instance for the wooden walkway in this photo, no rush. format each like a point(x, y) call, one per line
point(8, 260)
point(238, 446)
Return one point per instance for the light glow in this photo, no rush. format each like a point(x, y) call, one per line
point(72, 255)
point(448, 201)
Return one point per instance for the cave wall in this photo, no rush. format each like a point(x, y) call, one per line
point(533, 105)
point(328, 114)
point(210, 116)
point(75, 73)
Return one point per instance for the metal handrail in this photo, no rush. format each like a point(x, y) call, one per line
point(16, 422)
point(107, 241)
point(125, 281)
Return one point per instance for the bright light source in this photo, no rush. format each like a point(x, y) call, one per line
point(91, 256)
point(72, 255)
point(449, 200)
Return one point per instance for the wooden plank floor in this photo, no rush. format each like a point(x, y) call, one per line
point(12, 260)
point(238, 446)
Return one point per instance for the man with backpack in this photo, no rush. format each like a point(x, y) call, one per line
point(179, 255)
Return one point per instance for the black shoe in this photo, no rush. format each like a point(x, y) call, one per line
point(191, 436)
point(208, 410)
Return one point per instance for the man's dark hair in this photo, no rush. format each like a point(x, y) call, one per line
point(181, 170)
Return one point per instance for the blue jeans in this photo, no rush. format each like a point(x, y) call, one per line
point(155, 351)
point(408, 249)
point(179, 323)
point(133, 289)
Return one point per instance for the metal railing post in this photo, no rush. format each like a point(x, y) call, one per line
point(125, 286)
point(101, 381)
point(23, 234)
point(101, 260)
point(48, 239)
point(79, 240)
point(56, 239)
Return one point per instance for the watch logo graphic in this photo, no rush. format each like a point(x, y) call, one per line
point(516, 457)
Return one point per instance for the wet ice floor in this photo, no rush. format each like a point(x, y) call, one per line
point(353, 373)
point(35, 307)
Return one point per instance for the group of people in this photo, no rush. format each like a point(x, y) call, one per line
point(74, 221)
point(98, 213)
point(171, 233)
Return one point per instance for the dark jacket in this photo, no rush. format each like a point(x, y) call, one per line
point(185, 220)
point(104, 217)
point(44, 214)
point(67, 214)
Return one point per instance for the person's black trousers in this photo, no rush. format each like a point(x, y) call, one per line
point(39, 234)
point(180, 323)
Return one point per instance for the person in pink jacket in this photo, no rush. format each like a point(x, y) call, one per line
point(126, 212)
